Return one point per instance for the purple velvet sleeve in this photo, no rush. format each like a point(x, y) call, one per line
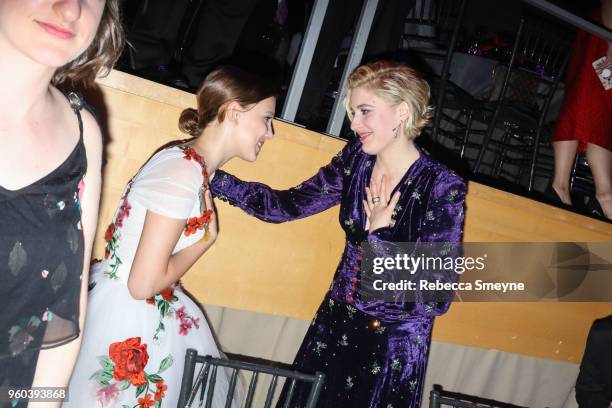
point(442, 222)
point(318, 193)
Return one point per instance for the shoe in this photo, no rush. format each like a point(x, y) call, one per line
point(553, 197)
point(594, 209)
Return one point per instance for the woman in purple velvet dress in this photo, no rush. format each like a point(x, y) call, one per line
point(374, 352)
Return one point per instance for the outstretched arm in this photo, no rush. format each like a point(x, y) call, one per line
point(318, 193)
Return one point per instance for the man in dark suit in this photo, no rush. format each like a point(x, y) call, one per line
point(160, 24)
point(594, 384)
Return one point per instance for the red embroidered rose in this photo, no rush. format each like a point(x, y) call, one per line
point(108, 235)
point(190, 154)
point(193, 225)
point(130, 359)
point(160, 392)
point(168, 294)
point(205, 218)
point(146, 402)
point(151, 300)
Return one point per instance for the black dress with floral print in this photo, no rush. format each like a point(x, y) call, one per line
point(41, 261)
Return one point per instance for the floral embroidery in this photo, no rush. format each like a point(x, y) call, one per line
point(349, 383)
point(375, 368)
point(429, 307)
point(412, 385)
point(189, 153)
point(123, 368)
point(160, 391)
point(106, 395)
point(20, 335)
point(396, 365)
point(195, 224)
point(112, 235)
point(452, 196)
point(163, 301)
point(129, 360)
point(320, 346)
point(351, 311)
point(343, 341)
point(47, 315)
point(146, 402)
point(350, 223)
point(187, 322)
point(77, 197)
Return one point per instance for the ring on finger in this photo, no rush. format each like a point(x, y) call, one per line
point(375, 200)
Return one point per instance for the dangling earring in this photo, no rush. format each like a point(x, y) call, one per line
point(396, 129)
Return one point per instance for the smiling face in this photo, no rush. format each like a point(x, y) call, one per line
point(49, 32)
point(374, 120)
point(254, 127)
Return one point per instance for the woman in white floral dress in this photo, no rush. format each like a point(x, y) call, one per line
point(140, 322)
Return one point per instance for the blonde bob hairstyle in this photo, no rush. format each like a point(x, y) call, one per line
point(395, 83)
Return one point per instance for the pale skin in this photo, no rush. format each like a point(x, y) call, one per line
point(241, 134)
point(39, 130)
point(376, 121)
point(599, 158)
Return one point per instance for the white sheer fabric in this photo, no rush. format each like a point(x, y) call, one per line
point(170, 184)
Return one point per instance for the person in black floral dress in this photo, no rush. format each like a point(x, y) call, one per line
point(50, 164)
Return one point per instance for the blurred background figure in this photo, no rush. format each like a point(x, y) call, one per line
point(584, 125)
point(179, 42)
point(594, 384)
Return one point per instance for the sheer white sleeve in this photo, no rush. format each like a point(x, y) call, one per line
point(168, 185)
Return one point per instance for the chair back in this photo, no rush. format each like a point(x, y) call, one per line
point(536, 66)
point(439, 398)
point(437, 19)
point(206, 379)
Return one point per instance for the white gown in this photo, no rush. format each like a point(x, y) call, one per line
point(120, 332)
